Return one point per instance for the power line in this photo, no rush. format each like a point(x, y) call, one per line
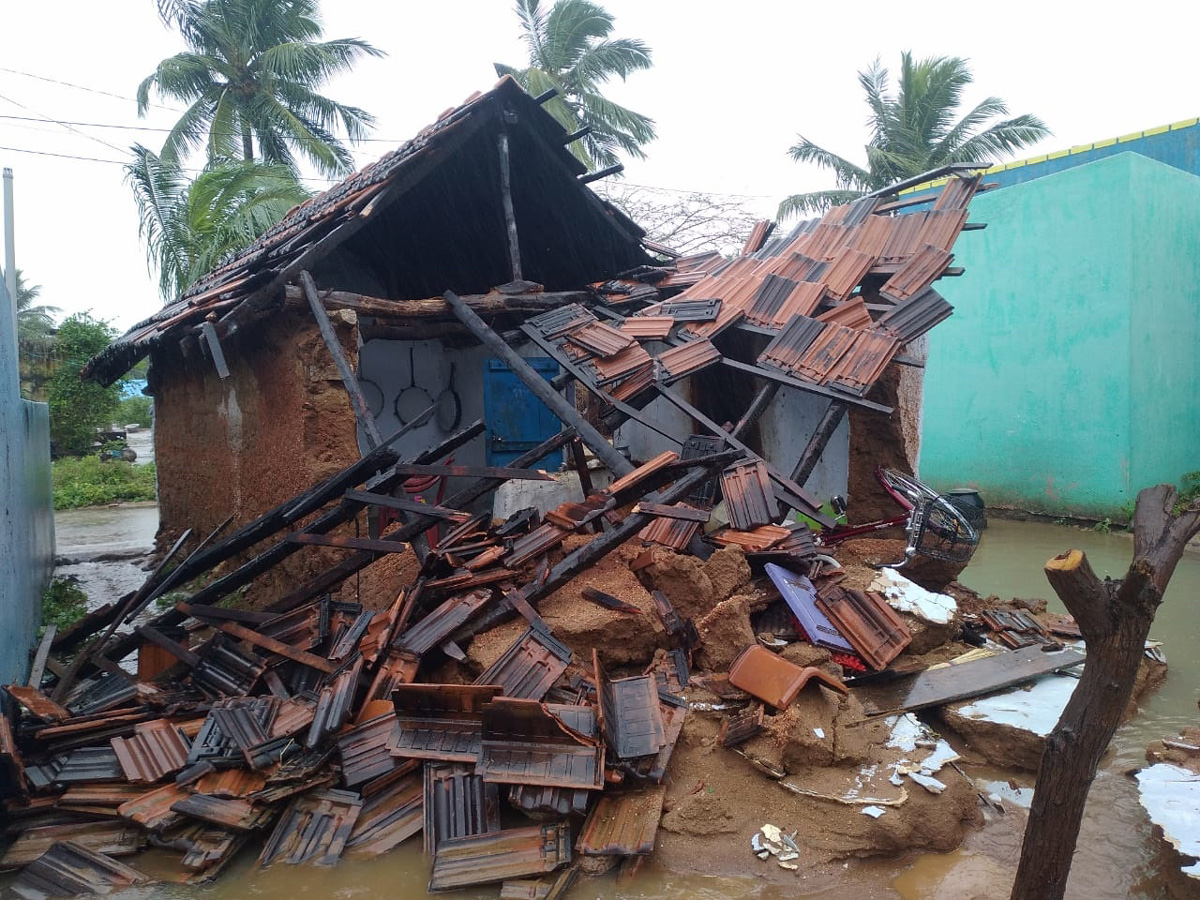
point(81, 87)
point(70, 128)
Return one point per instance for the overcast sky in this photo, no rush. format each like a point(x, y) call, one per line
point(731, 86)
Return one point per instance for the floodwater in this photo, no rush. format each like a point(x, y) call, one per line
point(1118, 855)
point(105, 548)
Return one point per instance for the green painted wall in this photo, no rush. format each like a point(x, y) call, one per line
point(1064, 380)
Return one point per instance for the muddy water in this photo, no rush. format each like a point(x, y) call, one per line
point(1118, 857)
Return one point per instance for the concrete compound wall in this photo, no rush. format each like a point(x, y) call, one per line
point(1065, 380)
point(27, 515)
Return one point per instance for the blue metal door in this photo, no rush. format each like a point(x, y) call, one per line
point(517, 421)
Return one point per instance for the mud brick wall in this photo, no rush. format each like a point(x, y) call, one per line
point(279, 424)
point(889, 441)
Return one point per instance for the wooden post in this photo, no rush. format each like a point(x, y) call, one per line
point(758, 406)
point(832, 417)
point(358, 402)
point(538, 386)
point(510, 218)
point(1114, 618)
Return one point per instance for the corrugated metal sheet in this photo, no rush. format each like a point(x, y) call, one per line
point(774, 680)
point(529, 667)
point(527, 742)
point(749, 498)
point(482, 859)
point(623, 824)
point(156, 750)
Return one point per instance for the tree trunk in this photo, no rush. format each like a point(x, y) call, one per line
point(1114, 618)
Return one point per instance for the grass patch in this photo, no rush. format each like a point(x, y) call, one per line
point(89, 481)
point(63, 604)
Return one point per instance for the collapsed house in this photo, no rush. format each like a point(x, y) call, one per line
point(369, 654)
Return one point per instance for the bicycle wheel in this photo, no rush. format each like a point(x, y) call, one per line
point(905, 489)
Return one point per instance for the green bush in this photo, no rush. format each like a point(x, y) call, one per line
point(78, 407)
point(134, 410)
point(88, 481)
point(64, 603)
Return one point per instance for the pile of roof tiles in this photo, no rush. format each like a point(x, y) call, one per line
point(314, 732)
point(839, 296)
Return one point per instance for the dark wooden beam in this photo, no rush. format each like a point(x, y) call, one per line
point(358, 402)
point(757, 407)
point(807, 387)
point(346, 542)
point(601, 173)
point(410, 506)
point(538, 386)
point(510, 218)
point(830, 419)
point(335, 575)
point(506, 474)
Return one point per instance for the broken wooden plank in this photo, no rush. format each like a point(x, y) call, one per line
point(278, 647)
point(676, 511)
point(412, 506)
point(346, 542)
point(962, 681)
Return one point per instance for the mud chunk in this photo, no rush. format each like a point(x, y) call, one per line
point(724, 633)
point(700, 814)
point(805, 655)
point(728, 571)
point(683, 580)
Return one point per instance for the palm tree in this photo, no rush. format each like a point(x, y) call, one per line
point(192, 227)
point(570, 51)
point(914, 131)
point(35, 324)
point(250, 77)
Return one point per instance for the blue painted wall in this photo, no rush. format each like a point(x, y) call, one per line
point(27, 517)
